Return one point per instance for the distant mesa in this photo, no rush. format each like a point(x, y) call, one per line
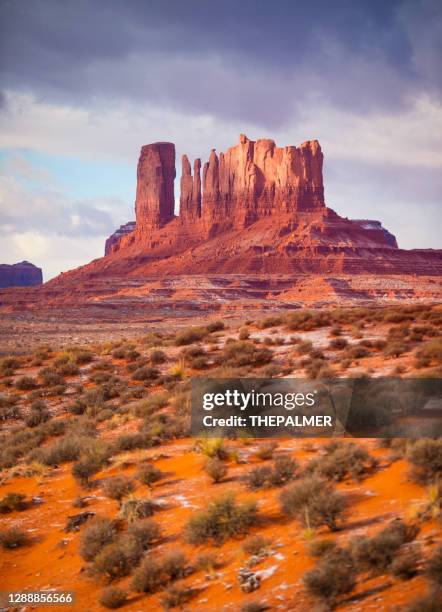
point(23, 274)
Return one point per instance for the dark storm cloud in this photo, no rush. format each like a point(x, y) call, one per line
point(245, 59)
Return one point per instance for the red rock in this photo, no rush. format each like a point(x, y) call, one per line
point(115, 238)
point(155, 200)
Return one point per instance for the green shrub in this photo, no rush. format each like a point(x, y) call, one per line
point(314, 502)
point(224, 518)
point(333, 575)
point(14, 537)
point(215, 469)
point(113, 598)
point(117, 487)
point(13, 502)
point(97, 534)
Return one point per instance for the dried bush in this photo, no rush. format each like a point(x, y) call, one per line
point(143, 533)
point(215, 469)
point(224, 518)
point(431, 602)
point(320, 548)
point(239, 353)
point(190, 335)
point(26, 383)
point(13, 537)
point(425, 455)
point(266, 451)
point(334, 575)
point(342, 460)
point(256, 545)
point(133, 509)
point(148, 474)
point(117, 559)
point(98, 533)
point(118, 487)
point(145, 373)
point(175, 596)
point(434, 567)
point(13, 502)
point(113, 597)
point(314, 502)
point(157, 357)
point(404, 565)
point(150, 576)
point(376, 553)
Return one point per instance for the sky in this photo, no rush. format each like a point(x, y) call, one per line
point(85, 84)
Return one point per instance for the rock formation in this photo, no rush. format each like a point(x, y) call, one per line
point(114, 239)
point(23, 274)
point(155, 200)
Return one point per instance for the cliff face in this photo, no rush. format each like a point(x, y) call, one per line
point(114, 238)
point(155, 200)
point(23, 274)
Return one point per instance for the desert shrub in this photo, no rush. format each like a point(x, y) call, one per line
point(133, 509)
point(334, 575)
point(338, 344)
point(425, 455)
point(26, 383)
point(175, 596)
point(116, 559)
point(284, 470)
point(272, 321)
point(148, 474)
point(50, 376)
point(430, 353)
point(113, 597)
point(145, 373)
point(433, 568)
point(259, 477)
point(118, 487)
point(266, 451)
point(190, 335)
point(256, 545)
point(191, 352)
point(254, 606)
point(92, 458)
point(356, 352)
point(8, 365)
point(395, 349)
point(78, 407)
point(244, 334)
point(224, 518)
point(149, 577)
point(13, 537)
point(215, 469)
point(342, 460)
point(66, 449)
point(13, 502)
point(404, 565)
point(132, 441)
point(239, 353)
point(431, 602)
point(307, 320)
point(98, 533)
point(157, 357)
point(143, 532)
point(376, 553)
point(314, 502)
point(199, 363)
point(215, 326)
point(320, 548)
point(39, 414)
point(174, 564)
point(335, 331)
point(208, 562)
point(212, 447)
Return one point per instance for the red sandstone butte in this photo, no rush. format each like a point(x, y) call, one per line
point(23, 274)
